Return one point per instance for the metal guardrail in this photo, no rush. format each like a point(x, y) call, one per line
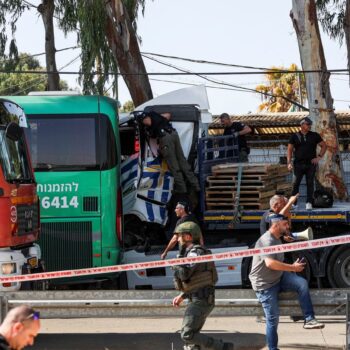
point(348, 322)
point(148, 303)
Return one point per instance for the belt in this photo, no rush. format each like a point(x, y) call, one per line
point(303, 161)
point(202, 293)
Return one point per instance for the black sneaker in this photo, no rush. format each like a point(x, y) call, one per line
point(313, 324)
point(228, 346)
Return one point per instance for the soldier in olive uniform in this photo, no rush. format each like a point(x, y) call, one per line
point(158, 126)
point(197, 284)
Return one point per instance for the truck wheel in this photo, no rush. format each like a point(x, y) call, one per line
point(123, 281)
point(245, 270)
point(339, 267)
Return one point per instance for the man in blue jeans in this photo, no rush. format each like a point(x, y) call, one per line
point(270, 276)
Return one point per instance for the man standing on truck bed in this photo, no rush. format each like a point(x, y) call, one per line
point(196, 282)
point(183, 214)
point(304, 144)
point(238, 130)
point(270, 276)
point(159, 127)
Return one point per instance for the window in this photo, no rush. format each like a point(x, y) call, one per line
point(13, 159)
point(13, 154)
point(71, 142)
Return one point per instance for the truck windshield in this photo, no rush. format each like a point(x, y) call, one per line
point(70, 142)
point(14, 159)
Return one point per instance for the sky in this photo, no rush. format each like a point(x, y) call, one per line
point(250, 32)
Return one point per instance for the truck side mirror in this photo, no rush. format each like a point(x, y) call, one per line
point(14, 131)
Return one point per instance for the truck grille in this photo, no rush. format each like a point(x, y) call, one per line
point(27, 218)
point(90, 203)
point(66, 245)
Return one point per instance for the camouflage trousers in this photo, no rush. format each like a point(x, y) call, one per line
point(171, 151)
point(196, 313)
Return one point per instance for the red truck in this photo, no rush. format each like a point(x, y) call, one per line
point(19, 204)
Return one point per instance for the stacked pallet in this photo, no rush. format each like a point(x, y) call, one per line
point(259, 183)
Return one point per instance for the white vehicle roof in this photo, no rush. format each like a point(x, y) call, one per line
point(194, 95)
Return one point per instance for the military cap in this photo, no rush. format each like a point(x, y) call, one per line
point(190, 227)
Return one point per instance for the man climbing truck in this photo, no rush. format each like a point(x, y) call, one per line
point(19, 204)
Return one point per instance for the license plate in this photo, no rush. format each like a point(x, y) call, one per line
point(33, 262)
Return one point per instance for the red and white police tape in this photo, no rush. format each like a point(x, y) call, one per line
point(290, 247)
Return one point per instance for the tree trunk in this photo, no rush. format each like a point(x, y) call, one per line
point(329, 172)
point(347, 31)
point(123, 42)
point(46, 9)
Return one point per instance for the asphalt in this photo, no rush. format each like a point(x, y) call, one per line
point(163, 333)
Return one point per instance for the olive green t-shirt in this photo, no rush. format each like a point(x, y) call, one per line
point(261, 276)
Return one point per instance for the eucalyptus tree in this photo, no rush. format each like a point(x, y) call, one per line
point(10, 12)
point(334, 16)
point(305, 21)
point(47, 10)
point(107, 34)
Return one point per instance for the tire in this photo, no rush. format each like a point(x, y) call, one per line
point(123, 281)
point(246, 268)
point(339, 267)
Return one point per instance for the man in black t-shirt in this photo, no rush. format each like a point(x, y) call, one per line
point(304, 145)
point(183, 213)
point(159, 127)
point(238, 130)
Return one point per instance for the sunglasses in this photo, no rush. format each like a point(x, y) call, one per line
point(33, 316)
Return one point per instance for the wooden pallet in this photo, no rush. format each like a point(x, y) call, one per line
point(257, 206)
point(231, 206)
point(255, 169)
point(284, 186)
point(217, 194)
point(259, 183)
point(256, 196)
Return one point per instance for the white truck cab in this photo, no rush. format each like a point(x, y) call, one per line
point(147, 187)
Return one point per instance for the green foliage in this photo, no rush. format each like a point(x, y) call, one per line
point(128, 106)
point(22, 84)
point(281, 84)
point(88, 19)
point(331, 14)
point(10, 12)
point(133, 6)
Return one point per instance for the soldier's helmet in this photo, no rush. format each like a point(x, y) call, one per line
point(192, 228)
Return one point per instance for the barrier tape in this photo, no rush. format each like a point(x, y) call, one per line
point(290, 247)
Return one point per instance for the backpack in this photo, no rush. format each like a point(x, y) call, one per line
point(323, 199)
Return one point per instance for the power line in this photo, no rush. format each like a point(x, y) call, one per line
point(37, 80)
point(209, 62)
point(30, 4)
point(194, 84)
point(232, 85)
point(25, 56)
point(334, 71)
